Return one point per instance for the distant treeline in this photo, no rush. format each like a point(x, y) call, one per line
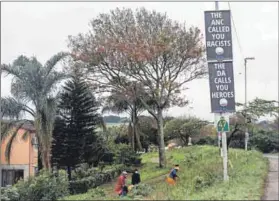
point(114, 119)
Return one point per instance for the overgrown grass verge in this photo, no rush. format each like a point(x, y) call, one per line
point(201, 176)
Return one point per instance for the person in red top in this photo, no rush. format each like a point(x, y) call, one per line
point(121, 188)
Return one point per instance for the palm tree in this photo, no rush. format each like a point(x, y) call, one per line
point(34, 84)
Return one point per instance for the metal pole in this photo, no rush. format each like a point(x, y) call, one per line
point(245, 105)
point(224, 137)
point(216, 5)
point(219, 138)
point(0, 127)
point(0, 131)
point(225, 156)
point(245, 75)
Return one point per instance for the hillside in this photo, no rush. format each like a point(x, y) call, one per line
point(200, 177)
point(113, 119)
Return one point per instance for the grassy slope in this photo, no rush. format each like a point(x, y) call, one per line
point(201, 176)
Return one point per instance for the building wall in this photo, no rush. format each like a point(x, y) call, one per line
point(23, 154)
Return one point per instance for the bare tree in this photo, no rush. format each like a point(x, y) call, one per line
point(146, 47)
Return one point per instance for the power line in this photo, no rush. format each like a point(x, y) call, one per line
point(237, 38)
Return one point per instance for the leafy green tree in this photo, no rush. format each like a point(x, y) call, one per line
point(183, 128)
point(249, 116)
point(34, 84)
point(59, 144)
point(265, 141)
point(75, 131)
point(130, 104)
point(149, 131)
point(148, 48)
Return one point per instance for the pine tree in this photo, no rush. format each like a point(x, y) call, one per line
point(74, 133)
point(58, 144)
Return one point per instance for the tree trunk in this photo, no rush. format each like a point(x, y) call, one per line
point(40, 163)
point(135, 127)
point(46, 159)
point(187, 139)
point(69, 173)
point(138, 138)
point(43, 151)
point(39, 144)
point(230, 138)
point(160, 123)
point(132, 135)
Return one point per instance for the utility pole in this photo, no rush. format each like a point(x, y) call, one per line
point(245, 104)
point(0, 126)
point(224, 152)
point(216, 5)
point(0, 131)
point(219, 134)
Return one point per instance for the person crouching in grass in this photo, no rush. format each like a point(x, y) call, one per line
point(172, 178)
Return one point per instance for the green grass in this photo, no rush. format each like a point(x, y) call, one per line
point(201, 176)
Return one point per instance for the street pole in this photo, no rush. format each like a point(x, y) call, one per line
point(0, 126)
point(0, 131)
point(224, 137)
point(245, 104)
point(219, 137)
point(216, 5)
point(225, 156)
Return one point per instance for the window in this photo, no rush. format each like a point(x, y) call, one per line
point(10, 177)
point(34, 142)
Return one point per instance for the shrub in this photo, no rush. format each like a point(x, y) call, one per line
point(123, 154)
point(97, 192)
point(9, 194)
point(141, 190)
point(85, 178)
point(83, 170)
point(190, 159)
point(82, 185)
point(206, 141)
point(199, 182)
point(46, 186)
point(208, 179)
point(107, 158)
point(265, 141)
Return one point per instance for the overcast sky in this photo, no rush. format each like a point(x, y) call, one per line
point(41, 29)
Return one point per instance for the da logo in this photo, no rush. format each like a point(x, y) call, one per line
point(223, 125)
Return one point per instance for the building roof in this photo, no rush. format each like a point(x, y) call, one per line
point(26, 126)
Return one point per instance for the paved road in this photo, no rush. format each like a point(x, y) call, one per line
point(271, 191)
